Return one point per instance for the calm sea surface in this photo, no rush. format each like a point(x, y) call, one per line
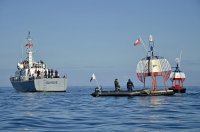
point(76, 110)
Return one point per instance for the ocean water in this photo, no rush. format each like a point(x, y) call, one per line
point(77, 111)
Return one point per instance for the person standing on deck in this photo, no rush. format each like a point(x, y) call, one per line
point(117, 86)
point(130, 85)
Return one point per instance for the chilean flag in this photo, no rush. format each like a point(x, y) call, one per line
point(137, 42)
point(29, 44)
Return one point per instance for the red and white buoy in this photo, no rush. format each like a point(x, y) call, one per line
point(177, 77)
point(153, 66)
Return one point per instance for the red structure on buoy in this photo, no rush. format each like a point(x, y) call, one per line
point(177, 77)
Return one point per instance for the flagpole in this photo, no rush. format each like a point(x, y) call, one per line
point(94, 78)
point(22, 53)
point(143, 44)
point(97, 84)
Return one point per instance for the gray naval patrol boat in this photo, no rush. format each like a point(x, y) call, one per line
point(34, 76)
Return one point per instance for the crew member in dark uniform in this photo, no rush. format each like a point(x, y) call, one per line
point(45, 74)
point(130, 85)
point(117, 86)
point(49, 73)
point(38, 73)
point(56, 74)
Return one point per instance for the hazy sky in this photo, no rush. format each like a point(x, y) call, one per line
point(81, 37)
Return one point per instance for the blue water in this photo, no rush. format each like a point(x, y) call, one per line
point(76, 110)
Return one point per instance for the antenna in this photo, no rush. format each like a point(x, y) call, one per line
point(180, 56)
point(143, 44)
point(178, 60)
point(22, 56)
point(151, 44)
point(29, 46)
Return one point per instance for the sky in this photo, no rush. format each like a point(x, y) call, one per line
point(81, 37)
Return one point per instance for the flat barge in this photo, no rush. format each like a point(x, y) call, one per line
point(142, 92)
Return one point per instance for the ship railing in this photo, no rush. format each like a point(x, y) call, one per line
point(14, 78)
point(20, 78)
point(49, 77)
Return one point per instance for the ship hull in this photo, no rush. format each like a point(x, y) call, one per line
point(41, 85)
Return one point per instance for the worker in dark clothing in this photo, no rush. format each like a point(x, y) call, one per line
point(45, 74)
point(117, 86)
point(56, 74)
point(38, 73)
point(49, 73)
point(130, 85)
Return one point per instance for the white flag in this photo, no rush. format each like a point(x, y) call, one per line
point(93, 77)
